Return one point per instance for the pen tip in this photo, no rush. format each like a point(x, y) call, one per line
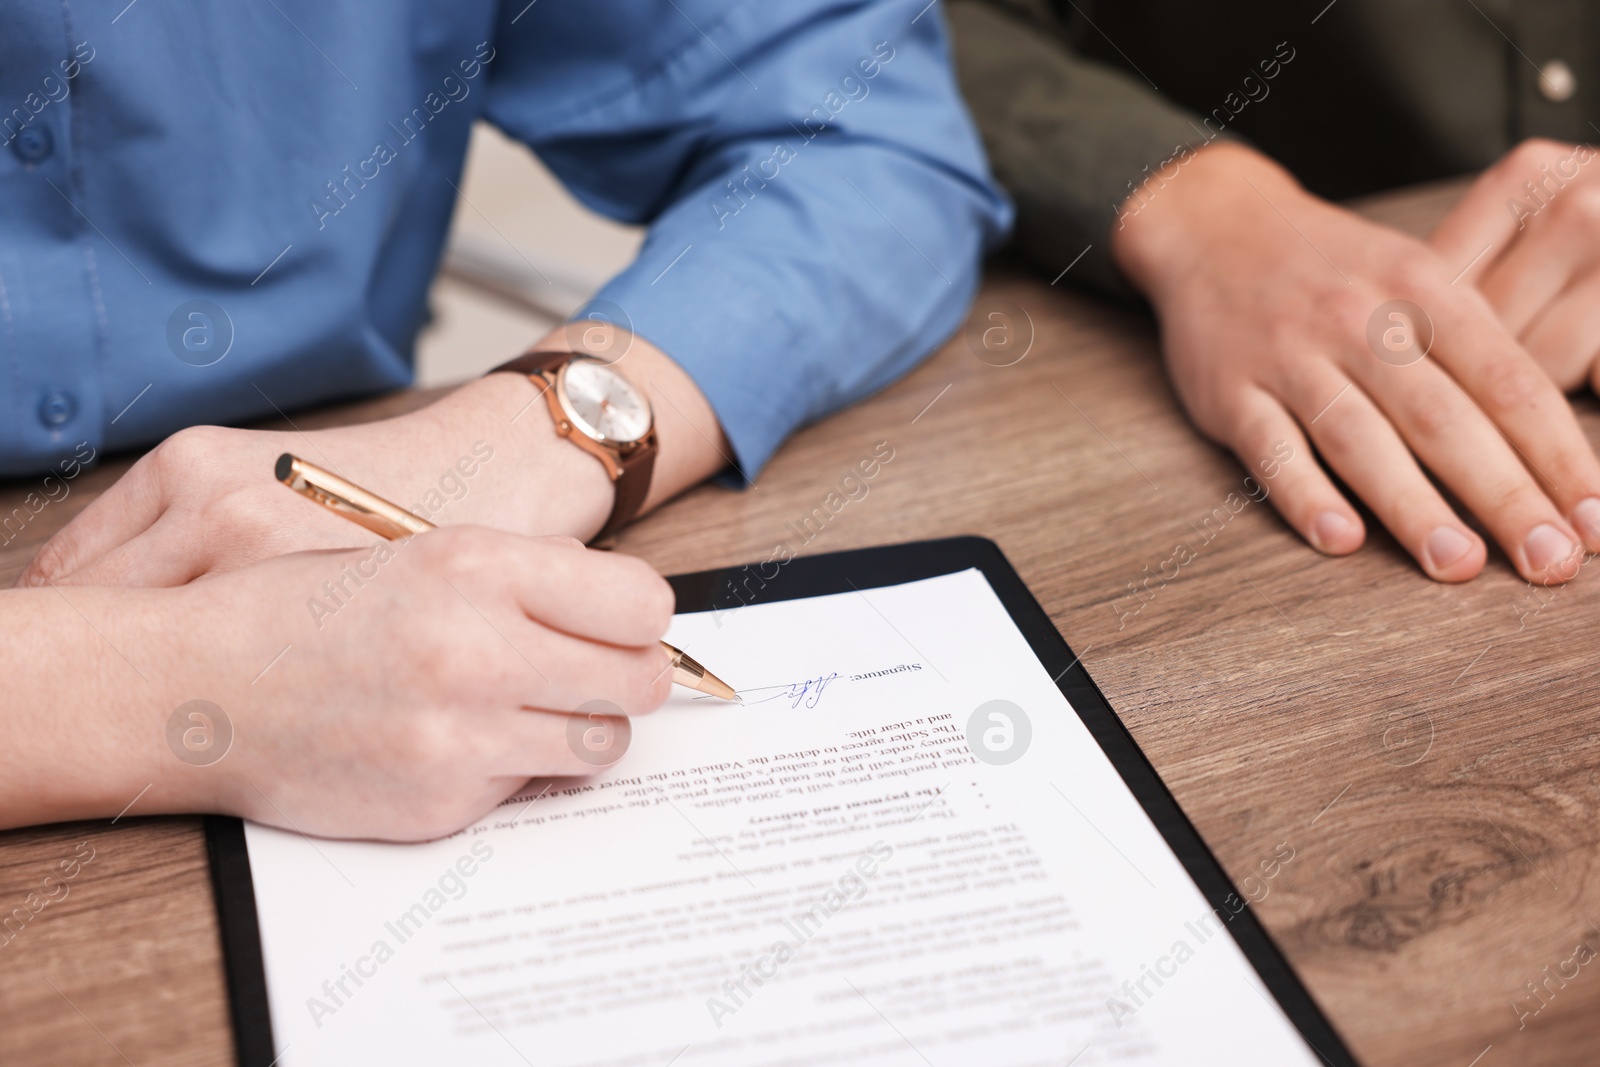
point(284, 467)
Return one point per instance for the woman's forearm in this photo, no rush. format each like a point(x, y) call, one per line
point(81, 712)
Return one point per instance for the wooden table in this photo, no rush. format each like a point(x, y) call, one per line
point(1427, 751)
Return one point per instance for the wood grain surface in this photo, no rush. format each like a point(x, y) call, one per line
point(1429, 752)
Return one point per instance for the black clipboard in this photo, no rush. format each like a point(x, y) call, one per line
point(810, 576)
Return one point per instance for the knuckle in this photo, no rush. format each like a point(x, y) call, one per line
point(1524, 160)
point(1514, 383)
point(1433, 414)
point(659, 603)
point(1528, 154)
point(1582, 206)
point(1348, 311)
point(660, 690)
point(1218, 411)
point(1199, 393)
point(1515, 496)
point(1286, 329)
point(465, 550)
point(190, 448)
point(1337, 434)
point(436, 653)
point(1416, 271)
point(648, 596)
point(425, 742)
point(1304, 383)
point(48, 564)
point(649, 683)
point(1250, 435)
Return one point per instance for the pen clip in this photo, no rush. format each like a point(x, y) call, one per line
point(348, 500)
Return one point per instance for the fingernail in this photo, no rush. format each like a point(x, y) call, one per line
point(1446, 545)
point(1587, 516)
point(1330, 526)
point(1545, 547)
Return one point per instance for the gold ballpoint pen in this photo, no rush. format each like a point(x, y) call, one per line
point(387, 520)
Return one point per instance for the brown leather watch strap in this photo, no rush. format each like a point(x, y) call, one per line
point(633, 485)
point(634, 470)
point(535, 362)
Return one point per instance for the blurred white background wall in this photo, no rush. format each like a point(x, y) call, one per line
point(523, 255)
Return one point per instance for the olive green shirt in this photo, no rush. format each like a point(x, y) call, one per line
point(1080, 101)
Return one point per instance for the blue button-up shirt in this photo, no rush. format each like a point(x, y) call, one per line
point(212, 211)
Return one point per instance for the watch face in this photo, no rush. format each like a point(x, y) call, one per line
point(604, 404)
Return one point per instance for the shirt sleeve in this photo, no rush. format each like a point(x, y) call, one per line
point(1069, 138)
point(817, 198)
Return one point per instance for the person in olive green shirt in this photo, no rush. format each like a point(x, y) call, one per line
point(1192, 152)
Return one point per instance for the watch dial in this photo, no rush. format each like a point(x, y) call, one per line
point(604, 403)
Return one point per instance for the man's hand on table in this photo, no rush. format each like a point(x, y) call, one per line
point(1267, 297)
point(1530, 225)
point(205, 500)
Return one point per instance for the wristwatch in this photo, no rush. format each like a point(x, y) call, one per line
point(604, 414)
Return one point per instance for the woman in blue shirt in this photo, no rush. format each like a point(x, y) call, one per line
point(215, 214)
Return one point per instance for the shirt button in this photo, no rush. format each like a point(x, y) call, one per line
point(33, 143)
point(57, 408)
point(1557, 82)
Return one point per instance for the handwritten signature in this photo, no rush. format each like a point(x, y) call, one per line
point(808, 692)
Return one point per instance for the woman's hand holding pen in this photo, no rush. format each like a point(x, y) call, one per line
point(441, 685)
point(397, 692)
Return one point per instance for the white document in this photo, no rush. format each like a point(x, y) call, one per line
point(826, 875)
